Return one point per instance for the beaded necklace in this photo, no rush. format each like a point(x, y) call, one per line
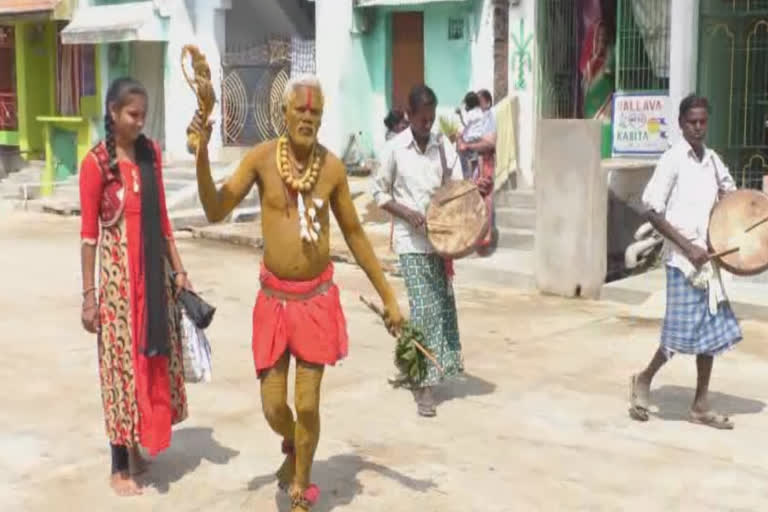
point(302, 183)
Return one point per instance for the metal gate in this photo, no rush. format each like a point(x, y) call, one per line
point(252, 92)
point(733, 74)
point(558, 50)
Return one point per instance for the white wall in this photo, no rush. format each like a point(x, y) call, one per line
point(526, 127)
point(198, 22)
point(683, 57)
point(482, 46)
point(333, 22)
point(252, 21)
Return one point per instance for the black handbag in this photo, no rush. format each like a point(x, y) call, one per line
point(199, 311)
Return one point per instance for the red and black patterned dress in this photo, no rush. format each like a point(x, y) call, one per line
point(142, 396)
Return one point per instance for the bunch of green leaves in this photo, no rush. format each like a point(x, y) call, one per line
point(411, 362)
point(448, 127)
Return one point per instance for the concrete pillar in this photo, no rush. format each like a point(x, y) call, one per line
point(522, 82)
point(683, 52)
point(571, 208)
point(333, 23)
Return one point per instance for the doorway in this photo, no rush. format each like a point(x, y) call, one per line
point(407, 55)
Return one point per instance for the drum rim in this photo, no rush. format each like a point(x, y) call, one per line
point(720, 260)
point(481, 232)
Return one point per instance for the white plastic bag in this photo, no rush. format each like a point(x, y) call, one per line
point(196, 350)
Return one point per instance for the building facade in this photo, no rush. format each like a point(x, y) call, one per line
point(661, 49)
point(371, 52)
point(35, 85)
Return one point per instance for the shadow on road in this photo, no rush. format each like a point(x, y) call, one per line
point(674, 402)
point(189, 447)
point(338, 480)
point(463, 386)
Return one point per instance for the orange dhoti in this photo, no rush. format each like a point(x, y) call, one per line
point(303, 317)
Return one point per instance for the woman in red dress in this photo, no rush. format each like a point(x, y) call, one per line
point(133, 309)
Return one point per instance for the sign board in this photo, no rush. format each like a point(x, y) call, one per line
point(640, 124)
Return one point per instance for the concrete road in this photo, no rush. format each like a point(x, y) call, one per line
point(539, 422)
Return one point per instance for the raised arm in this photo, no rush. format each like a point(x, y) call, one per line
point(344, 210)
point(217, 204)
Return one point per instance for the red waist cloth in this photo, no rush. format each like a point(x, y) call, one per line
point(314, 330)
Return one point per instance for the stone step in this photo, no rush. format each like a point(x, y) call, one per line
point(11, 187)
point(516, 238)
point(187, 171)
point(195, 217)
point(514, 217)
point(516, 198)
point(187, 197)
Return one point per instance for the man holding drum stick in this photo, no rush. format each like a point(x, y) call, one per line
point(685, 186)
point(417, 163)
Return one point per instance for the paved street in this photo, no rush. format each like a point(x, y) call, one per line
point(539, 422)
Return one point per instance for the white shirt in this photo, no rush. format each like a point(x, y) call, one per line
point(685, 190)
point(489, 122)
point(410, 177)
point(475, 121)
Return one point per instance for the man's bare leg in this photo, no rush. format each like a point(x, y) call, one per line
point(700, 411)
point(703, 374)
point(308, 380)
point(641, 386)
point(274, 402)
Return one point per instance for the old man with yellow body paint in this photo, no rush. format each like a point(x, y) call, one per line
point(297, 310)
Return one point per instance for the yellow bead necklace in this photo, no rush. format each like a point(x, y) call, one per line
point(286, 165)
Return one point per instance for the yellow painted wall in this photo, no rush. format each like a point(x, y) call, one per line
point(35, 72)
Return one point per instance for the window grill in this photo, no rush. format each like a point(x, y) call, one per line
point(642, 45)
point(733, 75)
point(558, 58)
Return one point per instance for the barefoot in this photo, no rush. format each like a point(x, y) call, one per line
point(136, 463)
point(303, 501)
point(124, 485)
point(285, 473)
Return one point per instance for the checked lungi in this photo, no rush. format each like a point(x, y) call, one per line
point(689, 327)
point(433, 311)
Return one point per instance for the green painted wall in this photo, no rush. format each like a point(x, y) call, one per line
point(35, 72)
point(447, 63)
point(367, 83)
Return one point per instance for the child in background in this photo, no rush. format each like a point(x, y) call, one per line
point(472, 119)
point(396, 122)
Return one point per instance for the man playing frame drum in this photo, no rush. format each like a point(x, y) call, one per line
point(418, 163)
point(685, 186)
